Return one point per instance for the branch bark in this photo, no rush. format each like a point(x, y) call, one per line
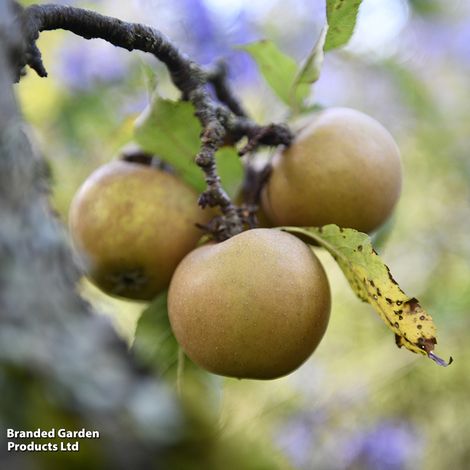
point(61, 364)
point(220, 120)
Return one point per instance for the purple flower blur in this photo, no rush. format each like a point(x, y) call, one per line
point(242, 67)
point(442, 37)
point(87, 62)
point(296, 440)
point(200, 30)
point(389, 445)
point(208, 38)
point(300, 436)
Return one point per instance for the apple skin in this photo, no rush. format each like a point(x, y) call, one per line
point(343, 168)
point(254, 306)
point(134, 223)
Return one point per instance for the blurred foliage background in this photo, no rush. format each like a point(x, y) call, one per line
point(359, 402)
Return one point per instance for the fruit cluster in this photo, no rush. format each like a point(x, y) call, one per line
point(256, 305)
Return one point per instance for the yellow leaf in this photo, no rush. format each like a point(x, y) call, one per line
point(372, 281)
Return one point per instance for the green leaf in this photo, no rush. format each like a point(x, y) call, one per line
point(310, 71)
point(170, 130)
point(279, 70)
point(341, 16)
point(371, 280)
point(230, 169)
point(150, 76)
point(154, 343)
point(313, 108)
point(427, 7)
point(156, 347)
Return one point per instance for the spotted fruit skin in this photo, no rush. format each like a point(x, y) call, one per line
point(254, 306)
point(134, 223)
point(343, 168)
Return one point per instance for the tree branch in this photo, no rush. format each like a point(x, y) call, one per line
point(59, 361)
point(220, 120)
point(217, 76)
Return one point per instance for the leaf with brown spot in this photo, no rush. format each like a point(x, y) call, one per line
point(367, 274)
